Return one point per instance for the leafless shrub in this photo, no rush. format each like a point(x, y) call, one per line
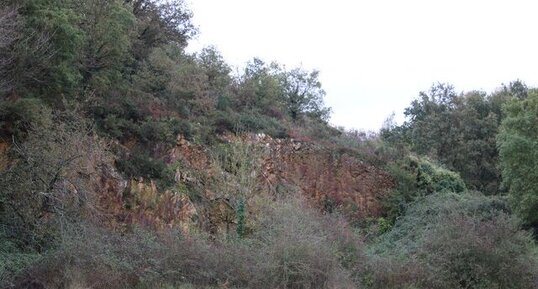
point(9, 26)
point(51, 179)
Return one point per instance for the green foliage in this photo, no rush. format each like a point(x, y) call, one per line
point(216, 70)
point(241, 215)
point(301, 249)
point(241, 164)
point(10, 26)
point(275, 92)
point(251, 122)
point(16, 118)
point(294, 247)
point(141, 164)
point(432, 178)
point(424, 214)
point(260, 87)
point(50, 50)
point(518, 142)
point(160, 23)
point(304, 95)
point(459, 241)
point(13, 259)
point(457, 130)
point(470, 253)
point(415, 178)
point(123, 65)
point(108, 26)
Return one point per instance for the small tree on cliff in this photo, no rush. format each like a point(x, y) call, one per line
point(50, 180)
point(304, 95)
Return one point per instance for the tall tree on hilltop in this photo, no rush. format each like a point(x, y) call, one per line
point(47, 57)
point(159, 23)
point(259, 87)
point(459, 130)
point(518, 148)
point(304, 95)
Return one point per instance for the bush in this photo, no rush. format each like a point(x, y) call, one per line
point(54, 176)
point(298, 248)
point(181, 127)
point(256, 122)
point(225, 121)
point(464, 252)
point(292, 246)
point(434, 178)
point(426, 212)
point(417, 177)
point(16, 118)
point(140, 164)
point(458, 241)
point(13, 259)
point(166, 131)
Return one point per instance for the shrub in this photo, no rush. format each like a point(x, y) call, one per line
point(426, 212)
point(433, 178)
point(151, 132)
point(298, 248)
point(16, 118)
point(256, 122)
point(465, 252)
point(140, 164)
point(181, 127)
point(225, 121)
point(165, 131)
point(53, 177)
point(13, 259)
point(458, 241)
point(417, 177)
point(292, 246)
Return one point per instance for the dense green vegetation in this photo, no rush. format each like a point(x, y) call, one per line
point(88, 87)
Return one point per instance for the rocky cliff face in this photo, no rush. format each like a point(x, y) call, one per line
point(332, 180)
point(329, 179)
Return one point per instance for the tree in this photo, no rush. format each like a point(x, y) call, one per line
point(304, 95)
point(259, 88)
point(51, 178)
point(160, 23)
point(216, 70)
point(107, 49)
point(518, 149)
point(47, 55)
point(456, 129)
point(431, 121)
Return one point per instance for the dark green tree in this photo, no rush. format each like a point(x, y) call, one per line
point(160, 23)
point(518, 149)
point(259, 88)
point(458, 130)
point(48, 55)
point(108, 26)
point(304, 95)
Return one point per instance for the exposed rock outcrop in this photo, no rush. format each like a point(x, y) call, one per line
point(330, 180)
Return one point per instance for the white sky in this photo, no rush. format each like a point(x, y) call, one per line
point(375, 56)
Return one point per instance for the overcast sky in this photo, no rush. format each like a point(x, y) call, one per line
point(375, 56)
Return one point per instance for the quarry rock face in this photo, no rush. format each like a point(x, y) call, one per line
point(329, 179)
point(138, 201)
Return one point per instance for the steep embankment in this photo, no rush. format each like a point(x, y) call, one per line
point(329, 179)
point(332, 180)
